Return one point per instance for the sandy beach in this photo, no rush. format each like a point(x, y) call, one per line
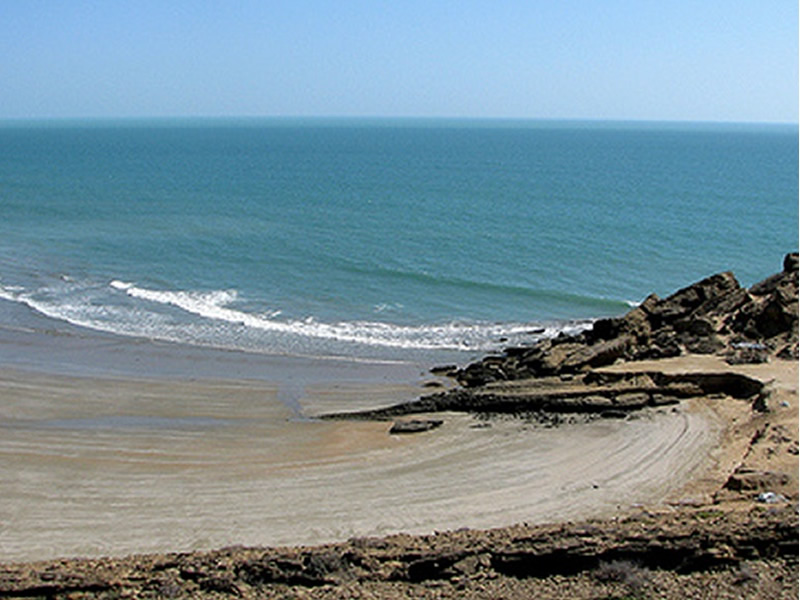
point(102, 467)
point(94, 467)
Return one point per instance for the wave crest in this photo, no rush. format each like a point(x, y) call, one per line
point(220, 318)
point(214, 305)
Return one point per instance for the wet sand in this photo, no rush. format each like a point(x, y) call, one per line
point(93, 466)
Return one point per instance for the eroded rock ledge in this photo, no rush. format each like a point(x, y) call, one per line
point(713, 316)
point(632, 552)
point(592, 393)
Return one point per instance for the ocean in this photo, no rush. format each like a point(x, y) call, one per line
point(425, 240)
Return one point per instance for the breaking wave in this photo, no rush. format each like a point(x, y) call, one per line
point(219, 318)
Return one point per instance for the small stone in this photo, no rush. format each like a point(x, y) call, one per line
point(415, 426)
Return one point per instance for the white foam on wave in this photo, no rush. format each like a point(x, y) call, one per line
point(214, 305)
point(9, 293)
point(124, 308)
point(73, 303)
point(205, 304)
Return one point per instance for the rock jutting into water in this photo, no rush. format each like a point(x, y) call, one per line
point(713, 316)
point(559, 375)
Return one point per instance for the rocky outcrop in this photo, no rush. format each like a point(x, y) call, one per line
point(650, 553)
point(557, 376)
point(713, 316)
point(592, 393)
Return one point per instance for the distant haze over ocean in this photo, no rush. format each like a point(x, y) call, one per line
point(380, 238)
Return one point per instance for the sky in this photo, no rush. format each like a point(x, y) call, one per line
point(685, 60)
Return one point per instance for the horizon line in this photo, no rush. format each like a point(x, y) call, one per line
point(342, 117)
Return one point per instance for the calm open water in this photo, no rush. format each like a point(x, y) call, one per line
point(379, 238)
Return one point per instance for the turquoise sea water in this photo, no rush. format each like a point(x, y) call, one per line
point(379, 238)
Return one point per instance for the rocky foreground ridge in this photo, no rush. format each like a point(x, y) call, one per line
point(697, 554)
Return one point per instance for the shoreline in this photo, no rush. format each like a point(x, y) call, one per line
point(691, 482)
point(42, 346)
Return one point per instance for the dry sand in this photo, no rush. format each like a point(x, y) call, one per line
point(98, 466)
point(760, 441)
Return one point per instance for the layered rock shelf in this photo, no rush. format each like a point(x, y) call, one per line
point(607, 394)
point(667, 555)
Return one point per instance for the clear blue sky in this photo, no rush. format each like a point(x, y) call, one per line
point(718, 60)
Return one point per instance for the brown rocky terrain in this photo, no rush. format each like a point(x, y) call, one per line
point(692, 553)
point(733, 533)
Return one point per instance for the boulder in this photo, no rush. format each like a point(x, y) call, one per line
point(725, 304)
point(447, 370)
point(769, 285)
point(695, 326)
point(549, 360)
point(703, 345)
point(746, 480)
point(632, 400)
point(789, 351)
point(664, 344)
point(613, 414)
point(637, 323)
point(776, 316)
point(478, 374)
point(685, 301)
point(748, 354)
point(606, 329)
point(598, 355)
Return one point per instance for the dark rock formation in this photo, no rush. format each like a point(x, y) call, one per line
point(593, 393)
point(444, 370)
point(746, 479)
point(713, 316)
point(557, 376)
